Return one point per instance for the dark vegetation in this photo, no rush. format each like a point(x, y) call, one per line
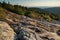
point(30, 12)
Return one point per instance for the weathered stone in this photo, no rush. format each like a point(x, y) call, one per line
point(6, 33)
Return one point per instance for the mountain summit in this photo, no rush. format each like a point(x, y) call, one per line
point(22, 23)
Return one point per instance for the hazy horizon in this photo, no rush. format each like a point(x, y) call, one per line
point(35, 3)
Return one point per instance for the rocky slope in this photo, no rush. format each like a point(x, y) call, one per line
point(27, 28)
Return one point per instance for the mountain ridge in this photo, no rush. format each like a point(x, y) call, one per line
point(28, 27)
point(55, 10)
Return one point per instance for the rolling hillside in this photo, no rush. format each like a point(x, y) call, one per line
point(22, 23)
point(55, 10)
point(35, 13)
point(26, 28)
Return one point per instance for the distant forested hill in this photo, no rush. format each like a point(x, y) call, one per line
point(55, 10)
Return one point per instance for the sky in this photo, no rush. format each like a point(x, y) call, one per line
point(35, 3)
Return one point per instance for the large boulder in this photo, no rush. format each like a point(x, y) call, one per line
point(27, 34)
point(6, 33)
point(50, 36)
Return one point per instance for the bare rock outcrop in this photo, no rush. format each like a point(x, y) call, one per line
point(6, 33)
point(28, 35)
point(27, 28)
